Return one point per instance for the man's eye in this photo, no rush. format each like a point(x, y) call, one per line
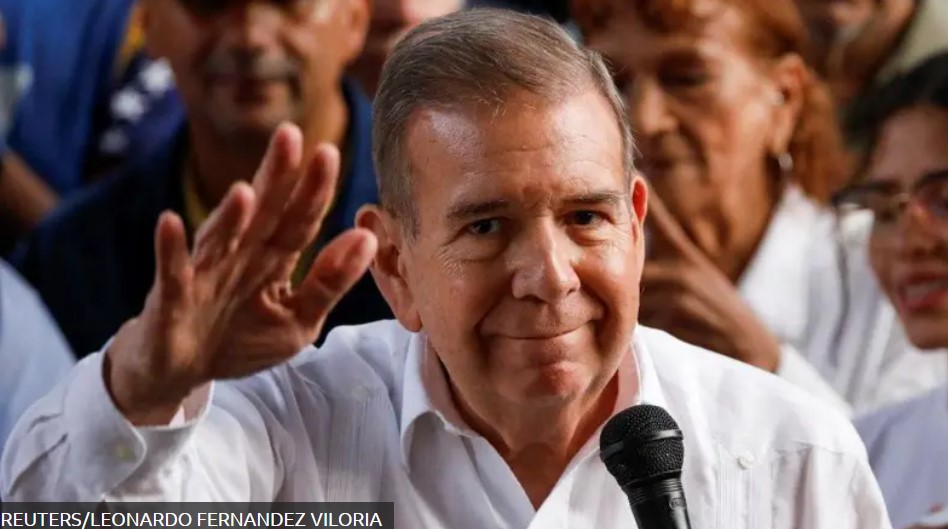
point(585, 218)
point(484, 227)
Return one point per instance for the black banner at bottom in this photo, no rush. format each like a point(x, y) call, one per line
point(195, 515)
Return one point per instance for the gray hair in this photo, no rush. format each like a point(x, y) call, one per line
point(477, 56)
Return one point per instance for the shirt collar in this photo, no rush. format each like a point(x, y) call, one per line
point(426, 392)
point(775, 284)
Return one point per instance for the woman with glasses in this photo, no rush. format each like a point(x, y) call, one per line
point(905, 193)
point(740, 143)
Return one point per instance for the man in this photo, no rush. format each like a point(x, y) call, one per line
point(33, 352)
point(509, 245)
point(859, 45)
point(391, 19)
point(241, 68)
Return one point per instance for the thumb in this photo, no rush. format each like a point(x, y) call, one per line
point(337, 268)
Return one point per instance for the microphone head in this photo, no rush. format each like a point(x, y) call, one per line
point(642, 443)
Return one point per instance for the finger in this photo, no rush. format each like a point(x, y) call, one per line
point(337, 268)
point(172, 262)
point(309, 204)
point(274, 182)
point(670, 236)
point(221, 232)
point(664, 274)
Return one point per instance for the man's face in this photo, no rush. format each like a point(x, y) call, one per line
point(525, 269)
point(244, 66)
point(909, 253)
point(391, 19)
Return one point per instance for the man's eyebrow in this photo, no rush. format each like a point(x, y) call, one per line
point(465, 210)
point(469, 209)
point(611, 198)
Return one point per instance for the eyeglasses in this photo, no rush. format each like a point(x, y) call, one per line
point(886, 202)
point(213, 7)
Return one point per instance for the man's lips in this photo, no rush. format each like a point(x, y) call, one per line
point(540, 336)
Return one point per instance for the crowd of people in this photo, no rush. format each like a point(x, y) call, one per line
point(477, 224)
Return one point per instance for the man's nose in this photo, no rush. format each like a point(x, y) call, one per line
point(648, 108)
point(253, 25)
point(543, 263)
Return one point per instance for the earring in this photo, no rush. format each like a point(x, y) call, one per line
point(785, 163)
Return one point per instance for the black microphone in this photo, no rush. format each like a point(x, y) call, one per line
point(642, 448)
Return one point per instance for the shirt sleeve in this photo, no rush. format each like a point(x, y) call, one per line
point(867, 506)
point(74, 445)
point(794, 368)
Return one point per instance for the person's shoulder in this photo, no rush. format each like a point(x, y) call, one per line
point(356, 368)
point(742, 407)
point(902, 418)
point(20, 305)
point(355, 361)
point(115, 203)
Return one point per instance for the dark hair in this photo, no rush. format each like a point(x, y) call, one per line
point(925, 84)
point(477, 57)
point(775, 30)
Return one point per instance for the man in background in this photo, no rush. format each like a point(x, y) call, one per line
point(241, 68)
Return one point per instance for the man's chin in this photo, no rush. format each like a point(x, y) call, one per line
point(552, 383)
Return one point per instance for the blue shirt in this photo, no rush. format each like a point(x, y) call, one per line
point(88, 106)
point(33, 353)
point(93, 260)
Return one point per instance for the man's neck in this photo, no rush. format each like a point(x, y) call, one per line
point(539, 444)
point(218, 161)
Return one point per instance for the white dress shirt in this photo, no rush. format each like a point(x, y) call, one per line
point(368, 417)
point(811, 284)
point(908, 450)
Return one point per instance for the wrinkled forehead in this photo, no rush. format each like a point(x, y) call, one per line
point(911, 144)
point(524, 149)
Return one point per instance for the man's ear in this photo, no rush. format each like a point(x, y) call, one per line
point(639, 194)
point(354, 19)
point(389, 268)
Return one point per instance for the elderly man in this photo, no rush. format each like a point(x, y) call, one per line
point(509, 245)
point(241, 68)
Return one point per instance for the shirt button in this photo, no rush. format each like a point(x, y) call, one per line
point(124, 453)
point(746, 461)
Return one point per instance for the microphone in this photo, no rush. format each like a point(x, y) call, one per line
point(642, 448)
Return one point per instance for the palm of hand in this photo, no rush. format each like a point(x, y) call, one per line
point(225, 310)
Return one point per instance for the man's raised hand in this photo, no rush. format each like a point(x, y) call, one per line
point(226, 309)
